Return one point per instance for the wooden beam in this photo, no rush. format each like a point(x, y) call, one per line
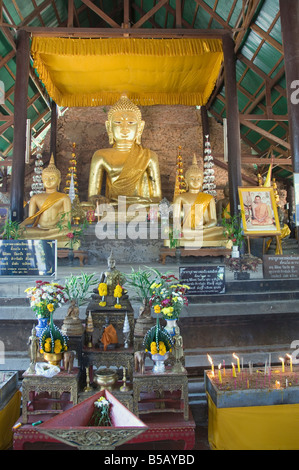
point(150, 13)
point(101, 13)
point(264, 117)
point(70, 14)
point(120, 32)
point(265, 133)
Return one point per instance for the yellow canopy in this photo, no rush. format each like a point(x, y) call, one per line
point(94, 72)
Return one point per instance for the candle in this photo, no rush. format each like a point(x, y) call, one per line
point(223, 368)
point(291, 362)
point(282, 363)
point(219, 374)
point(211, 362)
point(234, 370)
point(238, 361)
point(277, 384)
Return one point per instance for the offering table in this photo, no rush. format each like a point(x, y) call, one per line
point(33, 384)
point(167, 381)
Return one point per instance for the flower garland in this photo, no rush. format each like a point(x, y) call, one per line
point(157, 341)
point(117, 294)
point(52, 340)
point(103, 290)
point(45, 297)
point(101, 413)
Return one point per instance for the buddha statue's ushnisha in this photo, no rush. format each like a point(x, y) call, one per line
point(46, 209)
point(195, 212)
point(130, 169)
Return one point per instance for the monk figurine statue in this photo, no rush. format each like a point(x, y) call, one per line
point(130, 170)
point(223, 205)
point(194, 212)
point(46, 209)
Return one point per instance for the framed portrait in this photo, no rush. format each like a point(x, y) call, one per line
point(259, 211)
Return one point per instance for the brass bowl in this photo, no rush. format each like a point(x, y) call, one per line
point(53, 358)
point(105, 378)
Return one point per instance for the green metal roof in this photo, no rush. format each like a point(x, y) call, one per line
point(257, 32)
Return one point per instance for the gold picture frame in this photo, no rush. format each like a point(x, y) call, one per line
point(259, 211)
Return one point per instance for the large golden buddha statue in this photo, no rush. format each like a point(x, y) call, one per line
point(195, 213)
point(46, 209)
point(130, 169)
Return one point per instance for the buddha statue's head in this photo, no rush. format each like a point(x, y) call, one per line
point(124, 125)
point(51, 176)
point(111, 261)
point(194, 176)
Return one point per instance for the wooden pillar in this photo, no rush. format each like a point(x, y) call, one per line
point(233, 124)
point(53, 135)
point(20, 116)
point(289, 17)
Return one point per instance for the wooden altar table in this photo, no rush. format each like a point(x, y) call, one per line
point(33, 384)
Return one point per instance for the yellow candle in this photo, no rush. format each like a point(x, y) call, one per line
point(238, 361)
point(234, 370)
point(219, 373)
point(212, 365)
point(282, 363)
point(291, 362)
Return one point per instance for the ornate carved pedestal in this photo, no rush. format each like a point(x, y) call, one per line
point(35, 384)
point(168, 381)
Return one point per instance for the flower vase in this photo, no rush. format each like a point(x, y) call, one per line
point(235, 252)
point(42, 322)
point(170, 326)
point(159, 362)
point(71, 256)
point(53, 358)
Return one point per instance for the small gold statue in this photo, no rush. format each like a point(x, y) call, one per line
point(195, 212)
point(46, 209)
point(112, 277)
point(178, 351)
point(33, 350)
point(130, 169)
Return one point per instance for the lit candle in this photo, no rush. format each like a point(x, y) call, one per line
point(211, 362)
point(291, 362)
point(277, 384)
point(282, 363)
point(238, 361)
point(219, 373)
point(234, 370)
point(223, 368)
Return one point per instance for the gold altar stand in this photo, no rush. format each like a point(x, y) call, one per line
point(35, 386)
point(144, 385)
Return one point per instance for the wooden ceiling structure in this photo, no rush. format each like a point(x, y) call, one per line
point(254, 26)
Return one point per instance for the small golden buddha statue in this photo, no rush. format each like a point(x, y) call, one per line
point(195, 213)
point(112, 276)
point(46, 209)
point(130, 169)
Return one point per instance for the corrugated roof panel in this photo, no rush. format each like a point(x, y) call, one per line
point(267, 57)
point(267, 13)
point(250, 47)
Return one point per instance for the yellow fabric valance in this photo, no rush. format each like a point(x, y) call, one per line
point(94, 72)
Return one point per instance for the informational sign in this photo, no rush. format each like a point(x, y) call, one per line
point(203, 280)
point(281, 267)
point(28, 257)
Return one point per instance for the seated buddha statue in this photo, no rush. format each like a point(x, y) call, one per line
point(130, 170)
point(46, 209)
point(194, 212)
point(112, 276)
